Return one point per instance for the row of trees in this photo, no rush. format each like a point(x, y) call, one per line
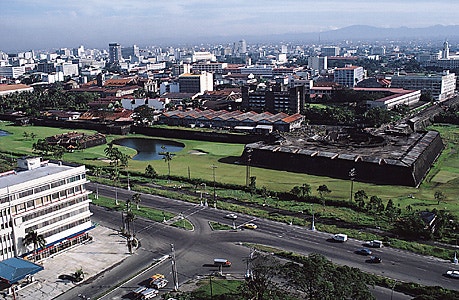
point(43, 99)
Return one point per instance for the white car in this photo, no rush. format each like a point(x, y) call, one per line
point(231, 216)
point(453, 273)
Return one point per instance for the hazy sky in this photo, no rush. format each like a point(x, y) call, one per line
point(38, 24)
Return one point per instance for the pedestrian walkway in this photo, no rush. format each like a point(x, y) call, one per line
point(104, 250)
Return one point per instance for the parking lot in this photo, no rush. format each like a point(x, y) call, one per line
point(106, 249)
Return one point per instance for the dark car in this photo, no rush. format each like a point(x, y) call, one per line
point(364, 251)
point(374, 260)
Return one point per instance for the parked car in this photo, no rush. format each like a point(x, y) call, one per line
point(364, 251)
point(148, 294)
point(250, 226)
point(231, 216)
point(374, 260)
point(453, 274)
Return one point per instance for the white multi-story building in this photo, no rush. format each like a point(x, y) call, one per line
point(318, 63)
point(45, 197)
point(12, 72)
point(196, 83)
point(440, 87)
point(349, 76)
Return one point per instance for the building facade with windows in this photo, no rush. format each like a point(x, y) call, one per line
point(273, 99)
point(440, 86)
point(49, 198)
point(196, 83)
point(349, 76)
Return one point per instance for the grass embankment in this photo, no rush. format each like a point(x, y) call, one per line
point(143, 212)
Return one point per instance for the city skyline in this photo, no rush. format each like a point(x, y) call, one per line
point(27, 24)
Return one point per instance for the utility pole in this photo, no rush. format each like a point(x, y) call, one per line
point(313, 227)
point(174, 269)
point(128, 186)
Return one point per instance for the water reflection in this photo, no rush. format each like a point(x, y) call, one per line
point(149, 149)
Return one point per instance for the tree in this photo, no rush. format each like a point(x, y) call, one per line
point(136, 199)
point(439, 196)
point(167, 156)
point(360, 196)
point(261, 284)
point(301, 192)
point(317, 278)
point(38, 241)
point(323, 190)
point(78, 275)
point(150, 172)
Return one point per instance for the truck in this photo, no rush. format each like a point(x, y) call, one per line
point(340, 237)
point(222, 262)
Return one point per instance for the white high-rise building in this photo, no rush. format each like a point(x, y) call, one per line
point(196, 83)
point(318, 63)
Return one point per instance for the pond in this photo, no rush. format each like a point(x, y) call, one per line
point(149, 149)
point(3, 133)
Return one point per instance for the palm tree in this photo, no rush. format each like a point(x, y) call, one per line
point(38, 241)
point(167, 156)
point(136, 199)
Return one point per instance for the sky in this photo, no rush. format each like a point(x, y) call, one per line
point(46, 24)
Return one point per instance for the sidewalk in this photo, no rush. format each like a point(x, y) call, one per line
point(106, 249)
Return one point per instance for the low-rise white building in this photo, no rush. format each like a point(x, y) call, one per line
point(49, 198)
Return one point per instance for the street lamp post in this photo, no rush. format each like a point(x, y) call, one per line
point(247, 170)
point(213, 174)
point(313, 227)
point(352, 174)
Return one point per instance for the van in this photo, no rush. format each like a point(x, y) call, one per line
point(222, 262)
point(376, 244)
point(340, 237)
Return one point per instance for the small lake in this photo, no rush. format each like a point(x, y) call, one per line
point(149, 149)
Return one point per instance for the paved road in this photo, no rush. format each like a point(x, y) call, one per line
point(199, 247)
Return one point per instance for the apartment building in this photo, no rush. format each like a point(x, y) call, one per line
point(440, 86)
point(47, 197)
point(213, 67)
point(114, 52)
point(273, 99)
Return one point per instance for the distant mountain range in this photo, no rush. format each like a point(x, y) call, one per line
point(438, 33)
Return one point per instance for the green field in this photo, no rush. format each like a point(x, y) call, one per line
point(444, 175)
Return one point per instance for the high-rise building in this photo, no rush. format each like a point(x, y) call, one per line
point(445, 52)
point(349, 76)
point(273, 99)
point(49, 198)
point(114, 52)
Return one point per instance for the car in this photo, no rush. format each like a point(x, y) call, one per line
point(231, 216)
point(453, 274)
point(250, 226)
point(157, 276)
point(340, 237)
point(374, 244)
point(364, 251)
point(159, 283)
point(374, 260)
